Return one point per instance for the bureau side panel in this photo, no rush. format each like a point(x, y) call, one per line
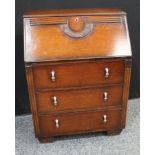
point(126, 86)
point(29, 76)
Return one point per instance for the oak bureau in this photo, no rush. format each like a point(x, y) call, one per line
point(78, 66)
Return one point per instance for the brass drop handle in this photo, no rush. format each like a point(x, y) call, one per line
point(57, 125)
point(54, 101)
point(104, 118)
point(105, 96)
point(106, 70)
point(53, 77)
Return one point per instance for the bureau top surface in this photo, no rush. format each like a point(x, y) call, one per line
point(51, 35)
point(66, 12)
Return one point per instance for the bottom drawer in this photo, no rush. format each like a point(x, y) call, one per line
point(68, 123)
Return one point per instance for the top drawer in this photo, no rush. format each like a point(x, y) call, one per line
point(83, 73)
point(75, 37)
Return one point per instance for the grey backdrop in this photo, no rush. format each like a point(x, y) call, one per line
point(132, 7)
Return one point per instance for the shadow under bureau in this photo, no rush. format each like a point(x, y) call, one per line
point(78, 66)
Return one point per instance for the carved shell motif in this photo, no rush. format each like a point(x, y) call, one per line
point(77, 27)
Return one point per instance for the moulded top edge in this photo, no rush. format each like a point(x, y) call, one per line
point(71, 12)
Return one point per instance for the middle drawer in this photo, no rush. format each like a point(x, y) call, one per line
point(85, 98)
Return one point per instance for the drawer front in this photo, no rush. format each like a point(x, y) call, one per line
point(54, 101)
point(78, 74)
point(79, 122)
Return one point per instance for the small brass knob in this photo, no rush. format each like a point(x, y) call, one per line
point(53, 78)
point(106, 70)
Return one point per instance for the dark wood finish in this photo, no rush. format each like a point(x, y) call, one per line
point(72, 59)
point(45, 139)
point(114, 132)
point(77, 74)
point(74, 100)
